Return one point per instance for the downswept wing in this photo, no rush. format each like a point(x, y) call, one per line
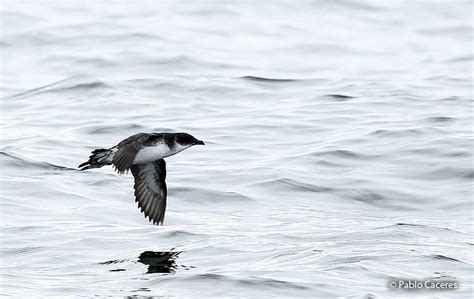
point(150, 189)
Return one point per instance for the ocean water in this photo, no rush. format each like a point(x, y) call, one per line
point(338, 149)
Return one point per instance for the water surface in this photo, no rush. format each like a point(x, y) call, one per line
point(338, 147)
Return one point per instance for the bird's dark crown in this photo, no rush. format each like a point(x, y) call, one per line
point(187, 139)
point(170, 139)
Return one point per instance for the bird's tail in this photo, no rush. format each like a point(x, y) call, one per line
point(99, 158)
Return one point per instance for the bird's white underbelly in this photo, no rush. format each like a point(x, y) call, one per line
point(151, 153)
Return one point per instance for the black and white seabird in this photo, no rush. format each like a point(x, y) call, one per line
point(143, 154)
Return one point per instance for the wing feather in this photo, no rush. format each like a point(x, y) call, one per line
point(150, 189)
point(127, 150)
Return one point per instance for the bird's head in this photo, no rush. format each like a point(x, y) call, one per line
point(186, 140)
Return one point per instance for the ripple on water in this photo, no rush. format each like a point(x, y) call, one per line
point(267, 80)
point(73, 84)
point(255, 282)
point(450, 172)
point(288, 184)
point(13, 161)
point(445, 258)
point(208, 195)
point(345, 154)
point(440, 119)
point(339, 97)
point(111, 129)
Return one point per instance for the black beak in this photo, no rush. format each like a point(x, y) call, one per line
point(199, 142)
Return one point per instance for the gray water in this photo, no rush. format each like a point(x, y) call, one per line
point(338, 147)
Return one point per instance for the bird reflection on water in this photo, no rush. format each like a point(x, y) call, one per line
point(159, 261)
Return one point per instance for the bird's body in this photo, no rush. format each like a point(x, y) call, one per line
point(143, 155)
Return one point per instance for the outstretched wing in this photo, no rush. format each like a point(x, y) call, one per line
point(127, 150)
point(150, 189)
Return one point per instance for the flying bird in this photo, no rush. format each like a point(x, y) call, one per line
point(143, 154)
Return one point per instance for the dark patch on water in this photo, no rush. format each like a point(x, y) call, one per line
point(440, 119)
point(369, 196)
point(114, 129)
point(117, 270)
point(273, 283)
point(157, 262)
point(446, 258)
point(345, 154)
point(84, 86)
point(451, 173)
point(160, 261)
point(409, 224)
point(21, 250)
point(269, 80)
point(202, 194)
point(441, 275)
point(423, 227)
point(112, 262)
point(339, 97)
point(250, 282)
point(293, 185)
point(180, 234)
point(398, 132)
point(140, 290)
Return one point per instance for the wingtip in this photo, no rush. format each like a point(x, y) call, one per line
point(149, 216)
point(156, 222)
